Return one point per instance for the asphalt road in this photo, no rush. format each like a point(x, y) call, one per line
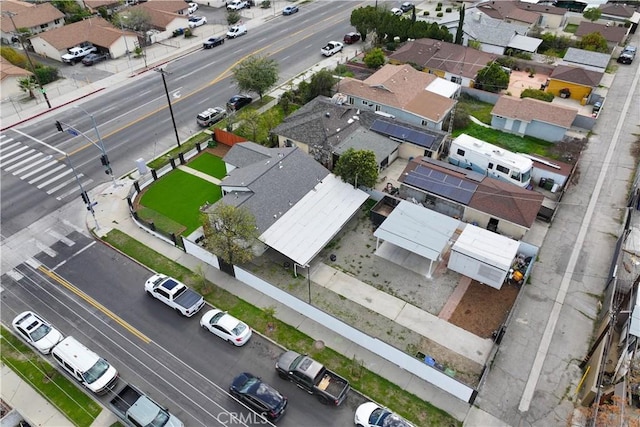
point(134, 120)
point(168, 356)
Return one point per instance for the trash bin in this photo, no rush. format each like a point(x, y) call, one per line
point(548, 185)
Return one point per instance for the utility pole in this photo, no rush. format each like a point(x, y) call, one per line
point(26, 52)
point(166, 90)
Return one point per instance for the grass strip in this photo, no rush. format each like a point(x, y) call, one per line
point(62, 393)
point(515, 143)
point(185, 147)
point(209, 164)
point(408, 405)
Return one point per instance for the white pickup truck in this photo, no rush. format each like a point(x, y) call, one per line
point(77, 53)
point(174, 294)
point(237, 5)
point(331, 48)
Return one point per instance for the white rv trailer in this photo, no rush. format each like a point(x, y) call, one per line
point(474, 154)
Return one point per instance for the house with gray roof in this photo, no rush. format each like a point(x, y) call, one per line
point(532, 117)
point(594, 61)
point(325, 128)
point(298, 205)
point(495, 35)
point(470, 196)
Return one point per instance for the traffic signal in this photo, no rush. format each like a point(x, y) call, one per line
point(85, 197)
point(104, 160)
point(59, 126)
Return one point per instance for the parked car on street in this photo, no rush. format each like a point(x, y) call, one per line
point(290, 10)
point(192, 8)
point(93, 58)
point(372, 415)
point(259, 396)
point(211, 116)
point(36, 331)
point(197, 21)
point(175, 294)
point(238, 101)
point(406, 6)
point(396, 11)
point(213, 42)
point(351, 38)
point(627, 55)
point(331, 48)
point(227, 327)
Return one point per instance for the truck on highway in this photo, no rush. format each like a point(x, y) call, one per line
point(175, 294)
point(135, 409)
point(313, 377)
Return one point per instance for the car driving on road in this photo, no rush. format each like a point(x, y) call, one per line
point(259, 396)
point(36, 331)
point(290, 10)
point(213, 42)
point(225, 326)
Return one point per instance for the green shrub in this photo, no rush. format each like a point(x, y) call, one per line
point(374, 58)
point(13, 56)
point(391, 46)
point(448, 10)
point(537, 94)
point(440, 15)
point(46, 74)
point(188, 33)
point(425, 13)
point(438, 9)
point(439, 4)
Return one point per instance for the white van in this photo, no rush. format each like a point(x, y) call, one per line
point(236, 31)
point(91, 370)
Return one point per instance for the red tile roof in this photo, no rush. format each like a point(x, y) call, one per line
point(27, 15)
point(95, 30)
point(7, 69)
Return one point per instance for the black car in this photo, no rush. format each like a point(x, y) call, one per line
point(92, 58)
point(259, 396)
point(238, 101)
point(213, 42)
point(627, 55)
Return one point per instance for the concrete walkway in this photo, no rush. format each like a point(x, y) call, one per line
point(35, 409)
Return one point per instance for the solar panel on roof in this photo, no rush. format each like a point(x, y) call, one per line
point(406, 134)
point(439, 183)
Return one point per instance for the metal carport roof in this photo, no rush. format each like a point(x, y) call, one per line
point(311, 223)
point(418, 230)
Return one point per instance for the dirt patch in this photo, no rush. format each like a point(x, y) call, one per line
point(483, 309)
point(568, 150)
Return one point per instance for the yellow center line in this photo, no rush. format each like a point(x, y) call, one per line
point(95, 304)
point(226, 73)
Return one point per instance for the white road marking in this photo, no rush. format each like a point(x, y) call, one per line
point(18, 157)
point(46, 174)
point(35, 156)
point(54, 179)
point(35, 171)
point(30, 165)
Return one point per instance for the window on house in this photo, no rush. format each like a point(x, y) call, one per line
point(377, 107)
point(490, 165)
point(502, 169)
point(57, 21)
point(43, 26)
point(456, 79)
point(350, 100)
point(425, 123)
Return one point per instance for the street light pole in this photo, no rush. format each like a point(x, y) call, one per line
point(166, 90)
point(105, 159)
point(84, 194)
point(26, 52)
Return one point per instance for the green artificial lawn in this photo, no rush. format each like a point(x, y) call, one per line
point(508, 141)
point(64, 394)
point(179, 196)
point(209, 164)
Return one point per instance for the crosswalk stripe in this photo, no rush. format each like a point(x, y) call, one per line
point(35, 171)
point(64, 184)
point(17, 144)
point(35, 156)
point(5, 142)
point(75, 190)
point(54, 179)
point(18, 157)
point(29, 166)
point(46, 174)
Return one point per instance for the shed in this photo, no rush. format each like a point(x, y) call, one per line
point(419, 230)
point(482, 255)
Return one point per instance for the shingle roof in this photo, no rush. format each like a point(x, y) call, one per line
point(94, 30)
point(587, 57)
point(541, 8)
point(617, 9)
point(27, 15)
point(494, 197)
point(528, 109)
point(7, 69)
point(275, 182)
point(159, 18)
point(443, 56)
point(485, 29)
point(95, 4)
point(364, 139)
point(506, 9)
point(611, 34)
point(173, 6)
point(403, 87)
point(576, 75)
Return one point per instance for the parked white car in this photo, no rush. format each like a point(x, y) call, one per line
point(237, 5)
point(36, 331)
point(372, 415)
point(197, 21)
point(225, 326)
point(396, 11)
point(192, 8)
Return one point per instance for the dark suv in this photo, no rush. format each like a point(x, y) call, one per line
point(259, 396)
point(238, 101)
point(627, 55)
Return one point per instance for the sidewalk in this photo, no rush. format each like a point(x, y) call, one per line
point(35, 409)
